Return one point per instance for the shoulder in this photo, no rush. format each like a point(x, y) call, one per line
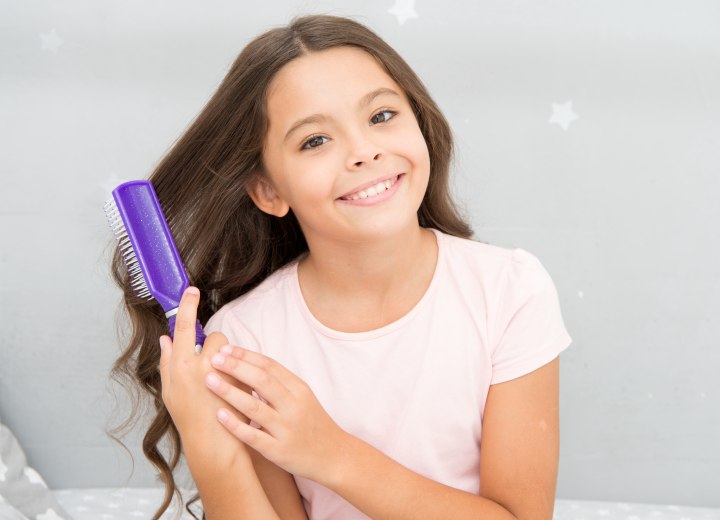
point(492, 265)
point(266, 300)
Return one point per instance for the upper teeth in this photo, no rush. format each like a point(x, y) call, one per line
point(372, 190)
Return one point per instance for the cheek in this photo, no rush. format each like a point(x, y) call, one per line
point(421, 152)
point(310, 180)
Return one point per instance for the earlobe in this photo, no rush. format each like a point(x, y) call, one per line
point(266, 198)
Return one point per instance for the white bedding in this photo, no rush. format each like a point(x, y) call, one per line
point(140, 503)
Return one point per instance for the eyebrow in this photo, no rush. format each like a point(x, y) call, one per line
point(318, 118)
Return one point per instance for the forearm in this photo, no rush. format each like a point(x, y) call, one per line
point(382, 488)
point(229, 489)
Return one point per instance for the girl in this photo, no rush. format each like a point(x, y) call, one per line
point(360, 345)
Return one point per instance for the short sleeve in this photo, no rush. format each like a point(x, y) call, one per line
point(237, 334)
point(224, 321)
point(529, 331)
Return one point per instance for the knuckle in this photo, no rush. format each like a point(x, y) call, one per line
point(265, 363)
point(254, 405)
point(263, 378)
point(215, 340)
point(304, 390)
point(184, 322)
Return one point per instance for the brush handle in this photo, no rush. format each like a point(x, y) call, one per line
point(199, 334)
point(153, 247)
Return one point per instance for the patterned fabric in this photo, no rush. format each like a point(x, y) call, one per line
point(130, 503)
point(23, 493)
point(8, 512)
point(122, 504)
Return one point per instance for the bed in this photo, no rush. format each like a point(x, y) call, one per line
point(24, 495)
point(129, 503)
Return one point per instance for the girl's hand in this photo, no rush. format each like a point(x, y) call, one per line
point(296, 432)
point(190, 404)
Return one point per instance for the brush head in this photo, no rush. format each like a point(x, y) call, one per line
point(146, 245)
point(137, 280)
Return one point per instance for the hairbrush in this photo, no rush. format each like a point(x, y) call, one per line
point(148, 249)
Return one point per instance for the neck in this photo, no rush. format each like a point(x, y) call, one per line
point(369, 270)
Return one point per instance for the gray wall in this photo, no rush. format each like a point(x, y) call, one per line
point(617, 196)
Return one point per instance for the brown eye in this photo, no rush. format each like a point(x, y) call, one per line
point(314, 142)
point(382, 117)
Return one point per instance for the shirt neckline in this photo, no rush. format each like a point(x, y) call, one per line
point(384, 330)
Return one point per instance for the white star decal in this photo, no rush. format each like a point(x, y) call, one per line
point(33, 476)
point(50, 41)
point(563, 114)
point(49, 514)
point(403, 10)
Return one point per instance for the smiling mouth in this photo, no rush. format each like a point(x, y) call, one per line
point(372, 191)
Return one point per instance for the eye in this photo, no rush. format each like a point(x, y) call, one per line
point(382, 117)
point(314, 141)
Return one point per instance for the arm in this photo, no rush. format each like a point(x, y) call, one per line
point(363, 475)
point(518, 473)
point(229, 489)
point(520, 448)
point(280, 488)
point(518, 463)
point(220, 465)
point(518, 467)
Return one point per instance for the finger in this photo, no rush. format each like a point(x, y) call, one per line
point(213, 343)
point(165, 355)
point(259, 379)
point(184, 334)
point(292, 382)
point(249, 406)
point(253, 437)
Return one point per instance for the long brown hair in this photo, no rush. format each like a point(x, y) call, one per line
point(227, 244)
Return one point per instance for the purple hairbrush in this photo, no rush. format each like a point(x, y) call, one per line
point(154, 265)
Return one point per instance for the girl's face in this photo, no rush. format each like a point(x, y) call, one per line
point(343, 148)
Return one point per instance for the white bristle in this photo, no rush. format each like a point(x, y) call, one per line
point(117, 226)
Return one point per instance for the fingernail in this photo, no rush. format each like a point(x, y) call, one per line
point(162, 342)
point(192, 290)
point(212, 380)
point(226, 349)
point(218, 359)
point(222, 415)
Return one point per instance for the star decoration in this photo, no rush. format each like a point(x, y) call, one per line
point(563, 114)
point(49, 514)
point(403, 10)
point(50, 41)
point(33, 476)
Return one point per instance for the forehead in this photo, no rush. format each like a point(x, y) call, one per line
point(318, 80)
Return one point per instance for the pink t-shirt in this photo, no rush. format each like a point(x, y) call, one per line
point(416, 388)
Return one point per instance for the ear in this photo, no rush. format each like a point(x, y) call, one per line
point(266, 198)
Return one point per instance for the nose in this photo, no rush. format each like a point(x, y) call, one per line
point(363, 152)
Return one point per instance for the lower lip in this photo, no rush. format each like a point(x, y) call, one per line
point(376, 199)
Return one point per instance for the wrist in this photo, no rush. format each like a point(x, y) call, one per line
point(218, 452)
point(339, 461)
